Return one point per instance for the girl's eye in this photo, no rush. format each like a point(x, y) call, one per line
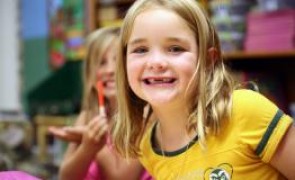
point(103, 62)
point(114, 59)
point(140, 50)
point(176, 49)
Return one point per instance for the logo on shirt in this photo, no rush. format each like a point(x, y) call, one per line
point(221, 172)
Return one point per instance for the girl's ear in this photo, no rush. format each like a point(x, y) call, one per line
point(212, 56)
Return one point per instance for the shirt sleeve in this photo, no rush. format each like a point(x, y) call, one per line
point(262, 123)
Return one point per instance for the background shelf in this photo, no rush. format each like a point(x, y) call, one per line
point(238, 55)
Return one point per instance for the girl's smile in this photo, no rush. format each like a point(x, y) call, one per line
point(159, 81)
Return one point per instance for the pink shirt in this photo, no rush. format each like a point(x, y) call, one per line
point(9, 175)
point(94, 173)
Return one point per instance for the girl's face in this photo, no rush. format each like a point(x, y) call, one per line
point(106, 72)
point(161, 57)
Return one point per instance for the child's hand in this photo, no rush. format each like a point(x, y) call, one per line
point(68, 133)
point(95, 134)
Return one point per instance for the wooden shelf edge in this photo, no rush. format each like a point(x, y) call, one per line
point(115, 3)
point(257, 55)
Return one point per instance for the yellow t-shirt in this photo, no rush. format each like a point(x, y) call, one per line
point(241, 151)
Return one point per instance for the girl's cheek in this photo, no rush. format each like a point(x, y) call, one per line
point(98, 75)
point(131, 74)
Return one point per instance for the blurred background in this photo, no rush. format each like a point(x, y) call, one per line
point(42, 51)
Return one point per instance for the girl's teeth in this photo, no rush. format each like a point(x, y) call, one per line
point(165, 80)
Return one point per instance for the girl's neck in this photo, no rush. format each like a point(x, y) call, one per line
point(171, 132)
point(172, 142)
point(172, 120)
point(112, 105)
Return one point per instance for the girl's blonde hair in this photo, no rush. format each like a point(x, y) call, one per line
point(97, 44)
point(209, 90)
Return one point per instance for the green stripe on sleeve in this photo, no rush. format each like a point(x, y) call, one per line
point(268, 132)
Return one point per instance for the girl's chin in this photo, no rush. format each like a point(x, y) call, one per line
point(110, 95)
point(161, 101)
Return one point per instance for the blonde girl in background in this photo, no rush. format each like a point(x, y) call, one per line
point(170, 59)
point(90, 154)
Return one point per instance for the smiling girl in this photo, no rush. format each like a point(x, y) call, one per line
point(170, 59)
point(90, 155)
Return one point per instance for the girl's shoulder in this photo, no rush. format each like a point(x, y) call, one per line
point(252, 111)
point(257, 122)
point(250, 100)
point(251, 108)
point(242, 93)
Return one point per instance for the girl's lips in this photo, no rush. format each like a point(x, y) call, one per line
point(159, 80)
point(109, 84)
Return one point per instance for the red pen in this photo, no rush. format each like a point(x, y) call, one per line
point(99, 88)
point(102, 111)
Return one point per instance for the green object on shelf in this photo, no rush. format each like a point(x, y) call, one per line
point(60, 93)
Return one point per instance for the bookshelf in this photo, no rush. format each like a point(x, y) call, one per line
point(240, 55)
point(279, 66)
point(90, 14)
point(272, 71)
point(106, 12)
point(116, 10)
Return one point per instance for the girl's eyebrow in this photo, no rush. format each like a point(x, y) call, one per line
point(178, 39)
point(136, 41)
point(169, 39)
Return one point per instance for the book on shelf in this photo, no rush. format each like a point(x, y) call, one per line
point(107, 13)
point(271, 23)
point(270, 31)
point(275, 42)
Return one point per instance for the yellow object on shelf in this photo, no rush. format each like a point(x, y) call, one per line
point(117, 22)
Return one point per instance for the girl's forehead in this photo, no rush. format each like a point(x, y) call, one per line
point(155, 9)
point(161, 20)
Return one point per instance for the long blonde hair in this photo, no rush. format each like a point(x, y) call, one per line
point(97, 44)
point(211, 84)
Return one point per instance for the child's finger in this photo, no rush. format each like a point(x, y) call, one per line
point(75, 129)
point(102, 131)
point(56, 131)
point(98, 125)
point(63, 134)
point(97, 121)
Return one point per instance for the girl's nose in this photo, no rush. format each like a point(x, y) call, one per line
point(110, 67)
point(157, 61)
